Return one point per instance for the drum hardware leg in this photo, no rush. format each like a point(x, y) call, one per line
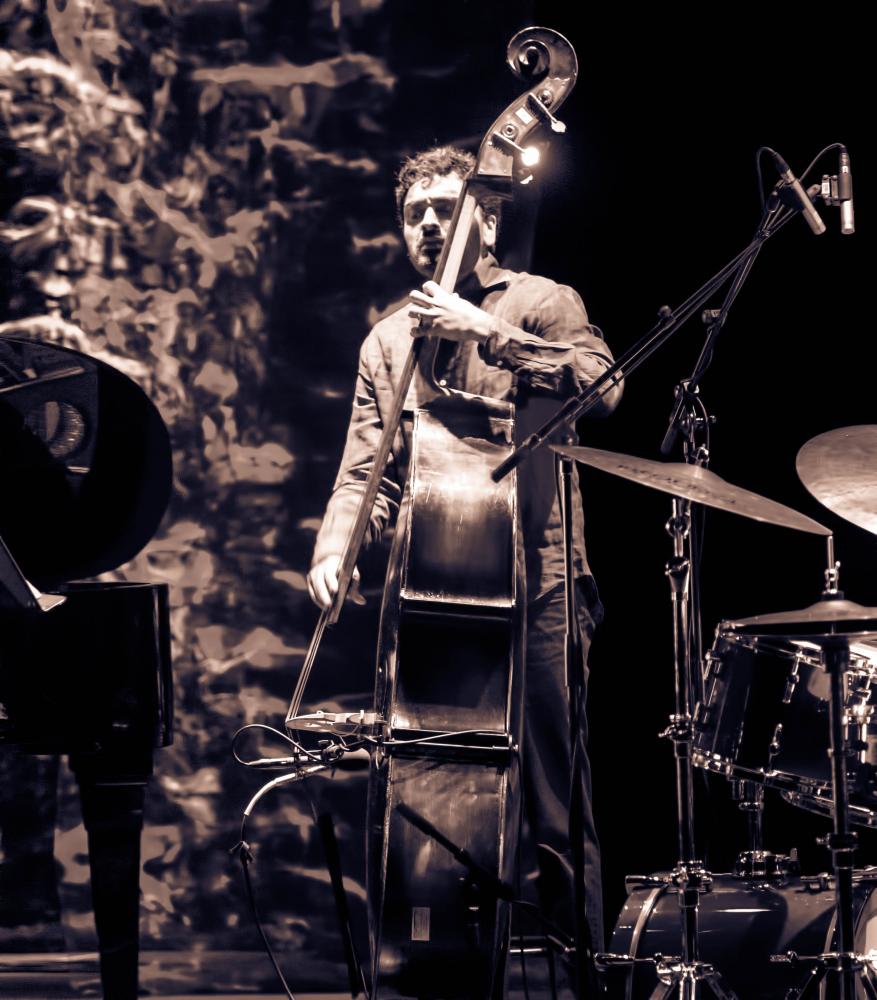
point(750, 798)
point(857, 967)
point(686, 980)
point(675, 977)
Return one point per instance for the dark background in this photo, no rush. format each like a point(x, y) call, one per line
point(653, 190)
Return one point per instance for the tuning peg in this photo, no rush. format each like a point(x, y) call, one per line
point(529, 155)
point(538, 105)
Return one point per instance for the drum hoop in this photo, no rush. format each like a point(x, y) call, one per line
point(768, 644)
point(819, 804)
point(784, 781)
point(645, 913)
point(861, 664)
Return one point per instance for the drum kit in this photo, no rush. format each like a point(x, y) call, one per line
point(784, 701)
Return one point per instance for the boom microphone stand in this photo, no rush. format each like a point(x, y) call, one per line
point(585, 973)
point(669, 321)
point(685, 975)
point(689, 417)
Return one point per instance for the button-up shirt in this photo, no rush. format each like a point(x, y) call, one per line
point(541, 350)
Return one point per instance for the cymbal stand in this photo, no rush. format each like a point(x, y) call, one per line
point(690, 416)
point(683, 976)
point(585, 976)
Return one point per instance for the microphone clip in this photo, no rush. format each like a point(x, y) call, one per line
point(829, 190)
point(836, 191)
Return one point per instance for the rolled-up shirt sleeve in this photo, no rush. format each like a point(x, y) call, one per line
point(363, 436)
point(555, 349)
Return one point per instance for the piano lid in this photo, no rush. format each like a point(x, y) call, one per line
point(85, 463)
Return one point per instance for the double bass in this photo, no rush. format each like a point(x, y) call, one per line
point(443, 803)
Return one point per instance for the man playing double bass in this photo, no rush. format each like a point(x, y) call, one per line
point(510, 336)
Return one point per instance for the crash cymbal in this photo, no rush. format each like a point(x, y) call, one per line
point(840, 469)
point(693, 483)
point(832, 616)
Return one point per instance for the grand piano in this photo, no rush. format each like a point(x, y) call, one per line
point(85, 667)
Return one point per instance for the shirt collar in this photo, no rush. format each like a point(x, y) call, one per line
point(486, 276)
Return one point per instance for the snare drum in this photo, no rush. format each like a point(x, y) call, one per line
point(742, 922)
point(765, 716)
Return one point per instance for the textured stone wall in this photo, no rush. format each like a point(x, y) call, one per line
point(201, 195)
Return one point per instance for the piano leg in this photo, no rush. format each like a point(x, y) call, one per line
point(28, 871)
point(112, 788)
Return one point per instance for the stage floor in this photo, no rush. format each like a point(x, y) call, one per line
point(74, 976)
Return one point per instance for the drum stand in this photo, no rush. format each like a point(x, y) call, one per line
point(845, 964)
point(749, 796)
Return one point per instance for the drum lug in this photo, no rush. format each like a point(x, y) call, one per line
point(776, 742)
point(792, 681)
point(713, 664)
point(702, 714)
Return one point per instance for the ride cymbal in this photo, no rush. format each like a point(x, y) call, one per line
point(839, 468)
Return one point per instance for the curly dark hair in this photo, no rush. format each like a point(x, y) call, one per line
point(437, 162)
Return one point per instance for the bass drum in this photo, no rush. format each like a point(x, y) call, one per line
point(742, 923)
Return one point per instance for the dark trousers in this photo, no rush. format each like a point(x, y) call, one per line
point(546, 768)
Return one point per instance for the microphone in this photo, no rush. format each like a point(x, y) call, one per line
point(845, 194)
point(798, 195)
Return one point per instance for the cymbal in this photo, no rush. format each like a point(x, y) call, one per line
point(840, 469)
point(692, 482)
point(832, 616)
